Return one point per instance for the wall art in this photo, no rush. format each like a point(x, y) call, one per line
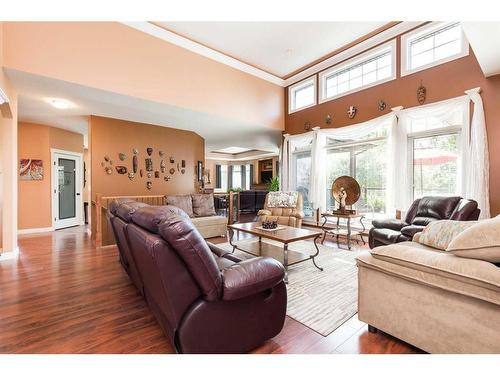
point(183, 163)
point(135, 151)
point(307, 126)
point(135, 162)
point(328, 119)
point(108, 170)
point(199, 170)
point(183, 171)
point(178, 168)
point(150, 174)
point(172, 171)
point(106, 158)
point(163, 166)
point(352, 112)
point(172, 159)
point(421, 93)
point(122, 156)
point(149, 185)
point(149, 150)
point(157, 174)
point(31, 169)
point(121, 169)
point(131, 175)
point(167, 178)
point(141, 173)
point(161, 153)
point(149, 164)
point(381, 105)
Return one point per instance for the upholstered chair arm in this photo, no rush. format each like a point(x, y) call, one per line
point(250, 277)
point(298, 214)
point(264, 213)
point(394, 224)
point(216, 250)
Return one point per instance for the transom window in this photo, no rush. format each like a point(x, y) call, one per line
point(367, 70)
point(302, 95)
point(431, 46)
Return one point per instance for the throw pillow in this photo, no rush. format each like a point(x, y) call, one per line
point(184, 202)
point(480, 241)
point(203, 205)
point(282, 199)
point(439, 234)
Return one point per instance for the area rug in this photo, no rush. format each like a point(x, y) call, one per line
point(321, 300)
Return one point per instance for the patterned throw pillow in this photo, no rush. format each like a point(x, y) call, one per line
point(439, 234)
point(203, 205)
point(282, 199)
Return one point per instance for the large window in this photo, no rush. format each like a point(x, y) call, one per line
point(302, 177)
point(432, 45)
point(366, 161)
point(237, 181)
point(302, 95)
point(367, 70)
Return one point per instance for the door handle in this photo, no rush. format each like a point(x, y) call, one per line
point(77, 193)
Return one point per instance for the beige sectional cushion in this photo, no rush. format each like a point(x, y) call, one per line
point(470, 277)
point(209, 221)
point(439, 234)
point(184, 202)
point(480, 241)
point(203, 205)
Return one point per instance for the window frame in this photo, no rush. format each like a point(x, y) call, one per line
point(297, 86)
point(421, 32)
point(323, 76)
point(295, 155)
point(411, 137)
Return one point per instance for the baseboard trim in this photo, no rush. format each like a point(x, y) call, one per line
point(35, 230)
point(9, 255)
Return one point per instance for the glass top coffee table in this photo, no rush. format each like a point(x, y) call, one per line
point(285, 236)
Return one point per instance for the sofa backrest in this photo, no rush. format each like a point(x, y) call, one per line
point(466, 210)
point(285, 211)
point(442, 208)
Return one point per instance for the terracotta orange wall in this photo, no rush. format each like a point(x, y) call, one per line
point(102, 54)
point(442, 82)
point(35, 142)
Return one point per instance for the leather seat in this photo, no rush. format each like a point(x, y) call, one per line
point(205, 299)
point(422, 212)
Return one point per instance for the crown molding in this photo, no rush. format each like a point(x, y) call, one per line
point(178, 40)
point(3, 97)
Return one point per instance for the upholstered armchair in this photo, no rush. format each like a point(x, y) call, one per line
point(291, 216)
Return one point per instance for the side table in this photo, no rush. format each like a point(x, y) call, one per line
point(338, 231)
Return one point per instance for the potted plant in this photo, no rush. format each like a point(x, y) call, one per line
point(274, 184)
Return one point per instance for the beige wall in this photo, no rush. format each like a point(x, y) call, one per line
point(442, 82)
point(35, 198)
point(102, 54)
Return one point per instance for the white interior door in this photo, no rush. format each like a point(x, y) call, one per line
point(67, 187)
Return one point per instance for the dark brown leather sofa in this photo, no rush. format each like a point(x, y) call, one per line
point(205, 299)
point(422, 212)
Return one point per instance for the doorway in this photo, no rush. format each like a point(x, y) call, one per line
point(67, 187)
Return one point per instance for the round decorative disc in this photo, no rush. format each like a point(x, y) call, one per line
point(351, 187)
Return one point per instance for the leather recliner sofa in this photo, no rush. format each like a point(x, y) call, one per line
point(422, 212)
point(205, 299)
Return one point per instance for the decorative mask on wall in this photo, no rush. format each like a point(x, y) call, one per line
point(183, 171)
point(352, 112)
point(172, 159)
point(135, 151)
point(421, 93)
point(149, 164)
point(108, 170)
point(121, 169)
point(135, 163)
point(167, 178)
point(106, 158)
point(149, 185)
point(172, 171)
point(183, 163)
point(141, 173)
point(149, 150)
point(122, 156)
point(131, 175)
point(157, 174)
point(161, 153)
point(178, 168)
point(307, 126)
point(328, 119)
point(381, 105)
point(163, 166)
point(150, 174)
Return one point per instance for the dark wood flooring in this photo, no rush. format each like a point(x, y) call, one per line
point(63, 296)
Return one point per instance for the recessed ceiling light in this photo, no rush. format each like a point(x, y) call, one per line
point(60, 103)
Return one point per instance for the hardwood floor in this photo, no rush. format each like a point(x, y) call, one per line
point(63, 296)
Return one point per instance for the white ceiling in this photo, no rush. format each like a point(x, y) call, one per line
point(34, 91)
point(482, 36)
point(279, 48)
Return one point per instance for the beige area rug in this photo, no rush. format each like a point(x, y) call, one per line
point(321, 300)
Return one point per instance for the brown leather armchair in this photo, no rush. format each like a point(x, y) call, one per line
point(205, 299)
point(422, 212)
point(291, 216)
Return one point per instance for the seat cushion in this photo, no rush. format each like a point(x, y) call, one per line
point(474, 278)
point(184, 202)
point(208, 221)
point(387, 236)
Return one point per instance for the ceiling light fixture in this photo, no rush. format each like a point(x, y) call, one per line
point(60, 103)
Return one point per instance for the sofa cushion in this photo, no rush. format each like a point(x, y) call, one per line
point(474, 278)
point(184, 202)
point(282, 199)
point(194, 251)
point(436, 207)
point(206, 221)
point(125, 210)
point(203, 205)
point(423, 220)
point(394, 224)
point(150, 217)
point(440, 233)
point(411, 230)
point(478, 241)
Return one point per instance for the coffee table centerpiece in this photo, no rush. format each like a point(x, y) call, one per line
point(282, 234)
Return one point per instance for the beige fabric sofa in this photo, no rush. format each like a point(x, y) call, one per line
point(200, 208)
point(291, 216)
point(429, 298)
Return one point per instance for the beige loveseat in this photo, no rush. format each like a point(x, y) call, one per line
point(291, 216)
point(201, 210)
point(434, 300)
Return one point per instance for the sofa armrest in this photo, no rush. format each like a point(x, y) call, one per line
point(394, 224)
point(250, 277)
point(216, 250)
point(411, 230)
point(264, 213)
point(298, 214)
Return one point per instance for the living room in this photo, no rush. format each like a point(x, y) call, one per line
point(330, 183)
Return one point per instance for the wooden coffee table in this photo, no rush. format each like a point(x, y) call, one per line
point(285, 236)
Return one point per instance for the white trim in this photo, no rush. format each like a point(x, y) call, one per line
point(35, 230)
point(200, 49)
point(3, 97)
point(298, 86)
point(433, 26)
point(391, 45)
point(79, 219)
point(168, 36)
point(9, 255)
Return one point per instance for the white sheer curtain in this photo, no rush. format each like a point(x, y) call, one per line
point(290, 144)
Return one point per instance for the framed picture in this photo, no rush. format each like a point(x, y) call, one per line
point(199, 170)
point(31, 169)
